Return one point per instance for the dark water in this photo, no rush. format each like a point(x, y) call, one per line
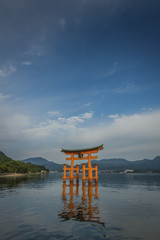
point(121, 206)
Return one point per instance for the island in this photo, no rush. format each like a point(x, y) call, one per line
point(8, 166)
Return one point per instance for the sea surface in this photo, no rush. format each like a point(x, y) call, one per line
point(41, 207)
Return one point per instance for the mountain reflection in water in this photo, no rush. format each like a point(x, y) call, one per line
point(80, 202)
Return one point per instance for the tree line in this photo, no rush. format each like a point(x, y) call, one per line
point(8, 165)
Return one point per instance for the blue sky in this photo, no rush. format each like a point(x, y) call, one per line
point(78, 74)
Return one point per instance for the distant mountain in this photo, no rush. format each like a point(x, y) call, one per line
point(112, 164)
point(117, 164)
point(44, 162)
point(122, 164)
point(147, 164)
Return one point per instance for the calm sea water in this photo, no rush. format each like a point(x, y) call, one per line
point(121, 206)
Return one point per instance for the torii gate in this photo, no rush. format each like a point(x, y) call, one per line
point(89, 157)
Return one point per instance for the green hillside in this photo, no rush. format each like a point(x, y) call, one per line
point(8, 165)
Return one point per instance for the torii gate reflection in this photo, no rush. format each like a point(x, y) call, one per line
point(86, 209)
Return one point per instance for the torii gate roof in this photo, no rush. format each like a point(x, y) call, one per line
point(100, 147)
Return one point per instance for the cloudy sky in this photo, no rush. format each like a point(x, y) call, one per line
point(76, 74)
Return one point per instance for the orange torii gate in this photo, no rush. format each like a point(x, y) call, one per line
point(80, 156)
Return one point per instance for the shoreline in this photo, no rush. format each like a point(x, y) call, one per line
point(16, 174)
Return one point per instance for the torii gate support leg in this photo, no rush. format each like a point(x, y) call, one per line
point(77, 173)
point(96, 173)
point(71, 171)
point(64, 172)
point(84, 173)
point(90, 178)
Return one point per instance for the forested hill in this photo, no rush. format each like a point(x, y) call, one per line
point(4, 157)
point(42, 161)
point(8, 165)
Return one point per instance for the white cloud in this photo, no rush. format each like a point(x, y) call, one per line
point(35, 50)
point(3, 97)
point(87, 115)
point(87, 104)
point(48, 127)
point(134, 136)
point(126, 135)
point(12, 126)
point(124, 88)
point(54, 113)
point(74, 120)
point(114, 115)
point(111, 71)
point(27, 63)
point(37, 46)
point(7, 70)
point(129, 87)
